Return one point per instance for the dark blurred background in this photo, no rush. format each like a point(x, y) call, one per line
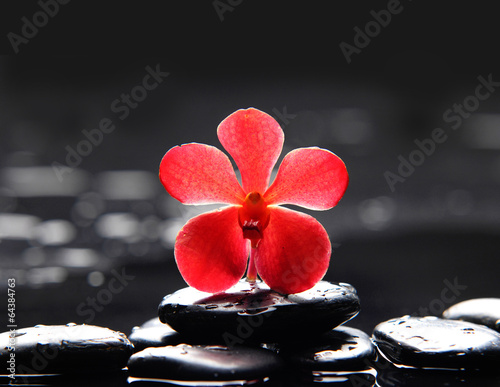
point(401, 237)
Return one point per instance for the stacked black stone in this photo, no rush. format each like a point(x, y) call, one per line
point(246, 335)
point(251, 333)
point(253, 312)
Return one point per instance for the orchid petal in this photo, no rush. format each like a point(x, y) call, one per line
point(313, 178)
point(200, 174)
point(294, 252)
point(210, 251)
point(254, 140)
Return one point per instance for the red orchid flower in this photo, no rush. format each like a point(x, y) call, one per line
point(289, 250)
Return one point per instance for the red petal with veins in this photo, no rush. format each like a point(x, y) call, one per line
point(309, 177)
point(200, 174)
point(294, 253)
point(210, 251)
point(254, 139)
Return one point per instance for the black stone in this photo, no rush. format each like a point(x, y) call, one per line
point(485, 311)
point(153, 333)
point(205, 363)
point(46, 349)
point(341, 349)
point(432, 342)
point(253, 312)
point(152, 322)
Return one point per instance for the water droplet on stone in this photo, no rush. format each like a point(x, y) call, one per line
point(193, 313)
point(217, 348)
point(79, 348)
point(253, 312)
point(484, 311)
point(431, 342)
point(217, 365)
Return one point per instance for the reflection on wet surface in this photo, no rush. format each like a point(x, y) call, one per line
point(369, 378)
point(40, 249)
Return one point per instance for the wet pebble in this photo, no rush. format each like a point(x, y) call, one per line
point(152, 322)
point(153, 333)
point(253, 312)
point(485, 311)
point(341, 349)
point(71, 348)
point(205, 363)
point(432, 342)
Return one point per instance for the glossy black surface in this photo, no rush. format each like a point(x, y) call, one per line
point(341, 349)
point(431, 342)
point(154, 333)
point(485, 311)
point(186, 362)
point(253, 312)
point(65, 349)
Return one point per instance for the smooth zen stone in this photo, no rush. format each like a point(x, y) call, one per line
point(46, 349)
point(253, 312)
point(431, 342)
point(152, 322)
point(485, 311)
point(341, 349)
point(153, 333)
point(205, 363)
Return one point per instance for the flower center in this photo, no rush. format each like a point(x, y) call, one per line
point(253, 217)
